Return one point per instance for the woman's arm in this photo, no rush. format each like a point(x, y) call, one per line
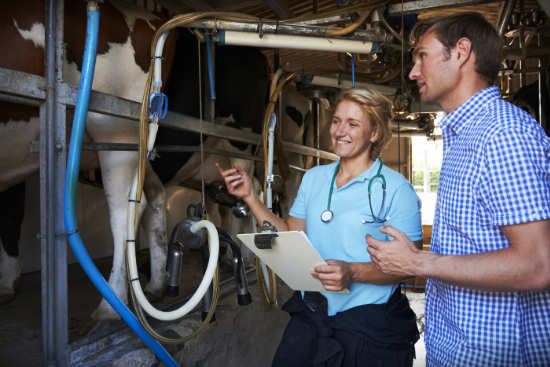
point(239, 184)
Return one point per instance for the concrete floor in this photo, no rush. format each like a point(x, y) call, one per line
point(418, 303)
point(20, 321)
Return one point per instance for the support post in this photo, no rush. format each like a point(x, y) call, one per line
point(52, 172)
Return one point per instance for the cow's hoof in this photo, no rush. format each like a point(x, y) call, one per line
point(104, 312)
point(6, 298)
point(154, 294)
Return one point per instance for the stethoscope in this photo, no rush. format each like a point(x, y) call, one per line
point(327, 214)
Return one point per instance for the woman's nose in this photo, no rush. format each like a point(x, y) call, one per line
point(340, 129)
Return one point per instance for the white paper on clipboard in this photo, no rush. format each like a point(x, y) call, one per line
point(292, 258)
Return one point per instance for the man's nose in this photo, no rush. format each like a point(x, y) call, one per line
point(414, 73)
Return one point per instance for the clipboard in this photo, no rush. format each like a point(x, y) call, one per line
point(292, 257)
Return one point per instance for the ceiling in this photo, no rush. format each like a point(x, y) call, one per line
point(381, 69)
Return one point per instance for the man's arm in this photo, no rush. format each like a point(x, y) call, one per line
point(525, 265)
point(337, 275)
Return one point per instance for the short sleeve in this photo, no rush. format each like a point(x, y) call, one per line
point(404, 212)
point(515, 183)
point(298, 209)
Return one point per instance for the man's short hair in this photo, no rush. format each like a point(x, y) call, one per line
point(486, 43)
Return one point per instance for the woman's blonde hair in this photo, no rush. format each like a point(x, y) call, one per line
point(378, 110)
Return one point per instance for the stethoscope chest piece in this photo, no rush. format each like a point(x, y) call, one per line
point(326, 215)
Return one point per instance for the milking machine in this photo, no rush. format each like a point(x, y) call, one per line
point(181, 238)
point(71, 179)
point(154, 106)
point(239, 273)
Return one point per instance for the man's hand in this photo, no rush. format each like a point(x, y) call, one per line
point(334, 276)
point(397, 257)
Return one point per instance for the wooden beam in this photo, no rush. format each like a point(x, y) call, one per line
point(234, 5)
point(280, 7)
point(198, 5)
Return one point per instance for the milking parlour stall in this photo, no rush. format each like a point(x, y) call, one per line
point(118, 236)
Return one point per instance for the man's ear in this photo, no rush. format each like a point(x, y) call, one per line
point(463, 50)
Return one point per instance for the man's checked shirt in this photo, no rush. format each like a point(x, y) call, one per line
point(495, 172)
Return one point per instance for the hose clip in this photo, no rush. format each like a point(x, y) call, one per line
point(158, 105)
point(260, 28)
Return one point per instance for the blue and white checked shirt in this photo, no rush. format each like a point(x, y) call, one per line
point(495, 172)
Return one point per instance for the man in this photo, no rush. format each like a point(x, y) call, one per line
point(488, 298)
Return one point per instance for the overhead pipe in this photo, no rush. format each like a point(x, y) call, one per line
point(335, 82)
point(289, 29)
point(505, 16)
point(294, 42)
point(73, 163)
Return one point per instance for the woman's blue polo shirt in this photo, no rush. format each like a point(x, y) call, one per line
point(343, 238)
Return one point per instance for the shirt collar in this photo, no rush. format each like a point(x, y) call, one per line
point(460, 117)
point(367, 174)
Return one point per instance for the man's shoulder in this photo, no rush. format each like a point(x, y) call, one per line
point(503, 117)
point(505, 114)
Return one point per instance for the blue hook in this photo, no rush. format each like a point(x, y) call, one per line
point(158, 105)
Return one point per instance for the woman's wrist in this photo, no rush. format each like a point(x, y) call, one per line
point(250, 199)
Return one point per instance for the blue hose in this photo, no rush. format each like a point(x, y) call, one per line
point(71, 178)
point(210, 67)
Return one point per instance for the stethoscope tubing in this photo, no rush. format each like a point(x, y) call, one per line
point(327, 214)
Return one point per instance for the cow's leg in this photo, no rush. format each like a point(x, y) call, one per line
point(117, 170)
point(154, 224)
point(10, 273)
point(12, 202)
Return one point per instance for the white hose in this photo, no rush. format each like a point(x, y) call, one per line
point(157, 76)
point(199, 293)
point(269, 177)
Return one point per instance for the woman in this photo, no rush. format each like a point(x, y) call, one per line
point(337, 205)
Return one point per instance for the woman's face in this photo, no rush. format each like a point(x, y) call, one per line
point(351, 132)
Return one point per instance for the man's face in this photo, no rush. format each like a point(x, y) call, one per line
point(433, 69)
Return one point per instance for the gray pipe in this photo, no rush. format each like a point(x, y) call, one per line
point(288, 29)
point(505, 16)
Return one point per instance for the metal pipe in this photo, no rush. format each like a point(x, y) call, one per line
point(115, 106)
point(287, 29)
point(52, 162)
point(327, 81)
point(429, 5)
point(505, 16)
point(316, 117)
